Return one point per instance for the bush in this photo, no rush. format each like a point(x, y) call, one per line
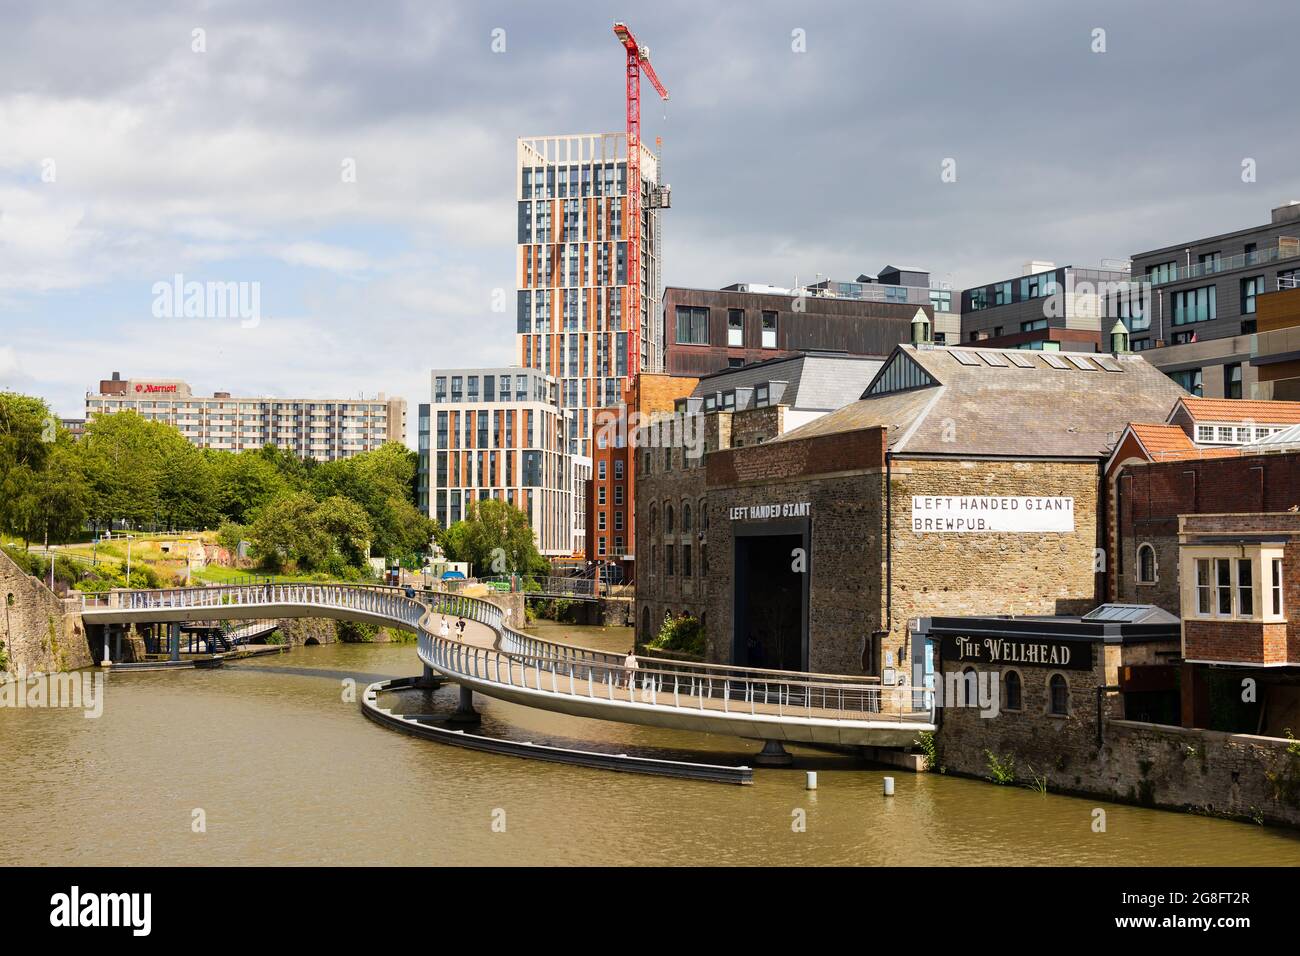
point(1001, 770)
point(682, 633)
point(353, 632)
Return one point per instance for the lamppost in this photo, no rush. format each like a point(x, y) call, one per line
point(128, 560)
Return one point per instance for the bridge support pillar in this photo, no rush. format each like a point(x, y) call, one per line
point(465, 712)
point(107, 659)
point(773, 754)
point(175, 641)
point(117, 642)
point(429, 679)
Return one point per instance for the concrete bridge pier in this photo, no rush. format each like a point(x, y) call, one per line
point(174, 640)
point(465, 712)
point(107, 659)
point(773, 754)
point(429, 679)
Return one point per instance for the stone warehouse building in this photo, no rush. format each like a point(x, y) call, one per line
point(734, 408)
point(963, 481)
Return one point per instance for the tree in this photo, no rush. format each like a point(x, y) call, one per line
point(315, 535)
point(497, 538)
point(25, 440)
point(52, 505)
point(244, 482)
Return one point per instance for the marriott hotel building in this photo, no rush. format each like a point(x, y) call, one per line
point(323, 429)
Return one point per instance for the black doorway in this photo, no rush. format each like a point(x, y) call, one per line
point(770, 596)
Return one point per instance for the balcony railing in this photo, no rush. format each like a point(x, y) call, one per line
point(1287, 248)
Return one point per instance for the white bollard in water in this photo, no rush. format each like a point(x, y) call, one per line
point(889, 786)
point(812, 780)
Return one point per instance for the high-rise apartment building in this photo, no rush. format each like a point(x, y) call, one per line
point(324, 429)
point(499, 433)
point(574, 320)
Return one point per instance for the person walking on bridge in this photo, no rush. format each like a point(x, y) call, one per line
point(629, 667)
point(444, 629)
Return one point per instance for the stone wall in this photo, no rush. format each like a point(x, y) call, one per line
point(953, 575)
point(1231, 775)
point(41, 631)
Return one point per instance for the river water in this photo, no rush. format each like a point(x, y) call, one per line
point(285, 771)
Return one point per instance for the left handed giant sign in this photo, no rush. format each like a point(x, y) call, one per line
point(1015, 514)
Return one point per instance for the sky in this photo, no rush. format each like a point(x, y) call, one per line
point(354, 163)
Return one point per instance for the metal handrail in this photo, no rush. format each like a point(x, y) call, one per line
point(517, 659)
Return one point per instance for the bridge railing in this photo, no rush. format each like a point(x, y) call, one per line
point(520, 660)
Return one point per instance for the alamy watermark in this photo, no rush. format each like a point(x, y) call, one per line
point(179, 299)
point(78, 690)
point(633, 430)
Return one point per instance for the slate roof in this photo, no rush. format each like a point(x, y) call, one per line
point(815, 381)
point(994, 406)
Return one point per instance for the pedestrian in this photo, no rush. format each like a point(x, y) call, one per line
point(444, 630)
point(460, 627)
point(629, 667)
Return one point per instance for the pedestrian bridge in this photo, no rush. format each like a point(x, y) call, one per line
point(502, 662)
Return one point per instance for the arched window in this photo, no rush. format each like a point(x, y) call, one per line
point(1146, 564)
point(668, 519)
point(704, 515)
point(654, 518)
point(686, 516)
point(646, 636)
point(1059, 695)
point(970, 688)
point(1014, 695)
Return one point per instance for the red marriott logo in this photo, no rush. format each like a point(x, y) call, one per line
point(155, 388)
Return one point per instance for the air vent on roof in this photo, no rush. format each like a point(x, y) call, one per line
point(1078, 361)
point(964, 357)
point(1054, 360)
point(1021, 358)
point(996, 359)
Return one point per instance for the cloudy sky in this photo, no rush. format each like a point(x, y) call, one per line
point(128, 156)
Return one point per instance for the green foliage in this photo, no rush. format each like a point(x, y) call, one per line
point(681, 633)
point(354, 632)
point(329, 535)
point(1002, 770)
point(4, 657)
point(1285, 778)
point(495, 538)
point(928, 742)
point(230, 534)
point(1037, 782)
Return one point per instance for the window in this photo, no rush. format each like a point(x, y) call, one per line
point(1033, 325)
point(1190, 380)
point(686, 560)
point(618, 494)
point(1245, 589)
point(1195, 305)
point(1276, 587)
point(692, 325)
point(618, 470)
point(1014, 696)
point(600, 469)
point(769, 330)
point(668, 519)
point(1223, 587)
point(1232, 380)
point(1146, 564)
point(735, 327)
point(1059, 694)
point(1002, 293)
point(600, 494)
point(670, 554)
point(1164, 272)
point(1250, 288)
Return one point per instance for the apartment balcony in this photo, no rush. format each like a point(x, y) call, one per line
point(1287, 248)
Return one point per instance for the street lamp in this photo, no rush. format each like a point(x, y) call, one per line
point(128, 560)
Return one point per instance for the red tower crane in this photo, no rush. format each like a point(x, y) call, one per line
point(638, 59)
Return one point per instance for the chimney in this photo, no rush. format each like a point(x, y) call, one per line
point(1287, 212)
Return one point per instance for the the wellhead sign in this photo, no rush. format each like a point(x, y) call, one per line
point(1014, 514)
point(1020, 651)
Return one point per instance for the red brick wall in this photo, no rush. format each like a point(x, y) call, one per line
point(1235, 641)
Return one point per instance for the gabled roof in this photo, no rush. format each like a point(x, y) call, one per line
point(1005, 402)
point(1238, 410)
point(1159, 440)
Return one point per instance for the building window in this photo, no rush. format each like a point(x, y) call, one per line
point(1146, 564)
point(1223, 587)
point(1059, 695)
point(618, 494)
point(1232, 380)
point(686, 560)
point(600, 495)
point(1276, 588)
point(1245, 589)
point(670, 553)
point(686, 517)
point(735, 328)
point(1002, 293)
point(618, 470)
point(1033, 325)
point(1190, 380)
point(769, 330)
point(1195, 305)
point(1014, 695)
point(692, 325)
point(1250, 288)
point(600, 469)
point(668, 519)
point(1203, 586)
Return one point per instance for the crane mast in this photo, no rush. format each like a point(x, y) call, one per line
point(638, 61)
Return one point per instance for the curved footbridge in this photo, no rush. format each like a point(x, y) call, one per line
point(500, 661)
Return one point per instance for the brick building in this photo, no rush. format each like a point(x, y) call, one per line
point(611, 489)
point(1216, 541)
point(964, 481)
